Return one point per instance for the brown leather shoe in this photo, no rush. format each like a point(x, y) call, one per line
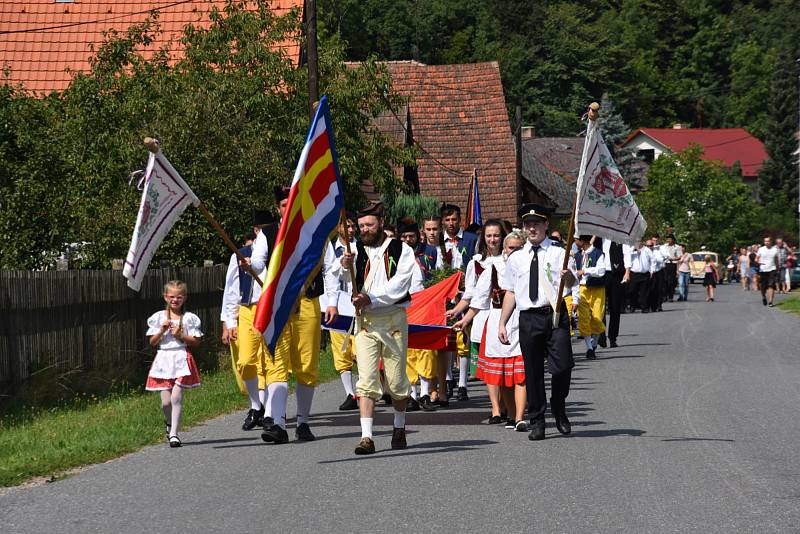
point(399, 438)
point(365, 446)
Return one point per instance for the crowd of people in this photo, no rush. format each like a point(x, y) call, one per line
point(526, 297)
point(748, 265)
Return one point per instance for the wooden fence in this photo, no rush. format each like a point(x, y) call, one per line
point(70, 322)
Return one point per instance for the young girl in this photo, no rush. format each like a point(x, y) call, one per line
point(710, 278)
point(173, 331)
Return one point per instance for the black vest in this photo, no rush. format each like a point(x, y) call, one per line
point(245, 279)
point(390, 258)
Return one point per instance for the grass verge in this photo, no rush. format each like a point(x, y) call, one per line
point(791, 304)
point(51, 441)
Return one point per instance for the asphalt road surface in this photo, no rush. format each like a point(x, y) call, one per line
point(690, 425)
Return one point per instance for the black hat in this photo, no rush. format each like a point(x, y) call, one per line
point(534, 211)
point(375, 210)
point(585, 237)
point(407, 226)
point(261, 217)
point(281, 193)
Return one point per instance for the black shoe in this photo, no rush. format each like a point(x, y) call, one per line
point(449, 387)
point(174, 442)
point(521, 426)
point(503, 417)
point(442, 403)
point(601, 340)
point(275, 434)
point(426, 404)
point(764, 301)
point(254, 418)
point(537, 431)
point(399, 438)
point(387, 399)
point(562, 423)
point(511, 424)
point(303, 433)
point(495, 420)
point(614, 344)
point(590, 355)
point(268, 422)
point(365, 446)
point(412, 405)
point(350, 403)
point(462, 394)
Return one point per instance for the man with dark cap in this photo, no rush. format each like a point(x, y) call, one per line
point(239, 301)
point(298, 347)
point(531, 281)
point(384, 268)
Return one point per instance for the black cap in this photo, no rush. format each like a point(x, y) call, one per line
point(585, 237)
point(262, 217)
point(281, 193)
point(407, 226)
point(375, 210)
point(534, 211)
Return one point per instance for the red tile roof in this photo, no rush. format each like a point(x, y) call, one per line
point(727, 145)
point(460, 122)
point(41, 39)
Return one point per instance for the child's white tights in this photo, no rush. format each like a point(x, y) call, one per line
point(172, 405)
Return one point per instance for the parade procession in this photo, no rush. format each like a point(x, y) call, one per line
point(399, 265)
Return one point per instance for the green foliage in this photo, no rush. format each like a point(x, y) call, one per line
point(415, 206)
point(437, 275)
point(703, 202)
point(231, 115)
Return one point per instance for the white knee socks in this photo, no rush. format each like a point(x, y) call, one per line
point(366, 427)
point(262, 397)
point(415, 391)
point(177, 408)
point(463, 372)
point(424, 386)
point(347, 382)
point(252, 393)
point(305, 395)
point(449, 374)
point(399, 419)
point(278, 393)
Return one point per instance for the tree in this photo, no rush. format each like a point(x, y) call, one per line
point(615, 131)
point(231, 114)
point(703, 202)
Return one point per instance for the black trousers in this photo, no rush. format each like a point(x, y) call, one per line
point(656, 290)
point(615, 295)
point(671, 279)
point(539, 340)
point(639, 290)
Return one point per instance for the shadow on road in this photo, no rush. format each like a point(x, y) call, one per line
point(433, 447)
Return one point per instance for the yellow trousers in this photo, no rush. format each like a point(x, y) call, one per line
point(420, 363)
point(382, 336)
point(590, 311)
point(249, 352)
point(463, 348)
point(568, 303)
point(342, 359)
point(298, 347)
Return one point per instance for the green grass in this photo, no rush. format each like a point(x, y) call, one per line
point(791, 304)
point(45, 442)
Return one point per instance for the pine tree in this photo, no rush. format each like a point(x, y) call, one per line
point(778, 177)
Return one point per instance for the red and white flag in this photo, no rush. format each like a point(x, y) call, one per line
point(605, 206)
point(164, 198)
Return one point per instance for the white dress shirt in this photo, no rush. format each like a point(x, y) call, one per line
point(517, 275)
point(671, 253)
point(258, 259)
point(642, 260)
point(451, 245)
point(231, 298)
point(593, 271)
point(658, 259)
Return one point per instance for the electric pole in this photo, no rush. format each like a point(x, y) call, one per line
point(310, 13)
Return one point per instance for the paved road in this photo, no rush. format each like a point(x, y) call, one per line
point(690, 425)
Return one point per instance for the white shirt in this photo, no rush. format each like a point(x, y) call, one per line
point(626, 256)
point(517, 275)
point(231, 299)
point(593, 271)
point(258, 259)
point(642, 260)
point(385, 293)
point(658, 259)
point(767, 259)
point(450, 245)
point(417, 279)
point(671, 253)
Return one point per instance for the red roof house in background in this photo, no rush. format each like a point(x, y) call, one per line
point(456, 116)
point(42, 40)
point(726, 145)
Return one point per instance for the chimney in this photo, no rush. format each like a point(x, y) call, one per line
point(527, 132)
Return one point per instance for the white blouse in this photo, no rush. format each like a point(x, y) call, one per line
point(191, 327)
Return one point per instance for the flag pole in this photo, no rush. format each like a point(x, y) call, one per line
point(152, 146)
point(593, 116)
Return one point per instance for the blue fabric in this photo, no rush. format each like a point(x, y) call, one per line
point(466, 246)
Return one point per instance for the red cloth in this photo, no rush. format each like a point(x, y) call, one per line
point(427, 308)
point(166, 384)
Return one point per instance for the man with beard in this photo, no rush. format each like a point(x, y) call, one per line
point(384, 268)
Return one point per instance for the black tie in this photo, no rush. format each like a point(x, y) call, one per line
point(533, 283)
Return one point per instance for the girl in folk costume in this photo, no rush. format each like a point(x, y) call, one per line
point(500, 366)
point(173, 330)
point(490, 252)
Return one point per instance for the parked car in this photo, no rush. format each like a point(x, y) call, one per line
point(795, 279)
point(698, 265)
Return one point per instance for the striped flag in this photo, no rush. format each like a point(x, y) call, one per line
point(164, 197)
point(315, 201)
point(473, 214)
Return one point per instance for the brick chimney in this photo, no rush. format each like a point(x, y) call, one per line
point(527, 132)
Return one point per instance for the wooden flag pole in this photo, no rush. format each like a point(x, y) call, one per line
point(152, 146)
point(343, 226)
point(593, 116)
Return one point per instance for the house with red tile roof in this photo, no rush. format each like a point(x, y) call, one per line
point(729, 146)
point(42, 42)
point(457, 118)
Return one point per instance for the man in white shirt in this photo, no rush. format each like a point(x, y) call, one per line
point(671, 253)
point(642, 270)
point(531, 280)
point(768, 270)
point(657, 290)
point(384, 269)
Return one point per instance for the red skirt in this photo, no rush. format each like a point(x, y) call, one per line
point(506, 372)
point(192, 380)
